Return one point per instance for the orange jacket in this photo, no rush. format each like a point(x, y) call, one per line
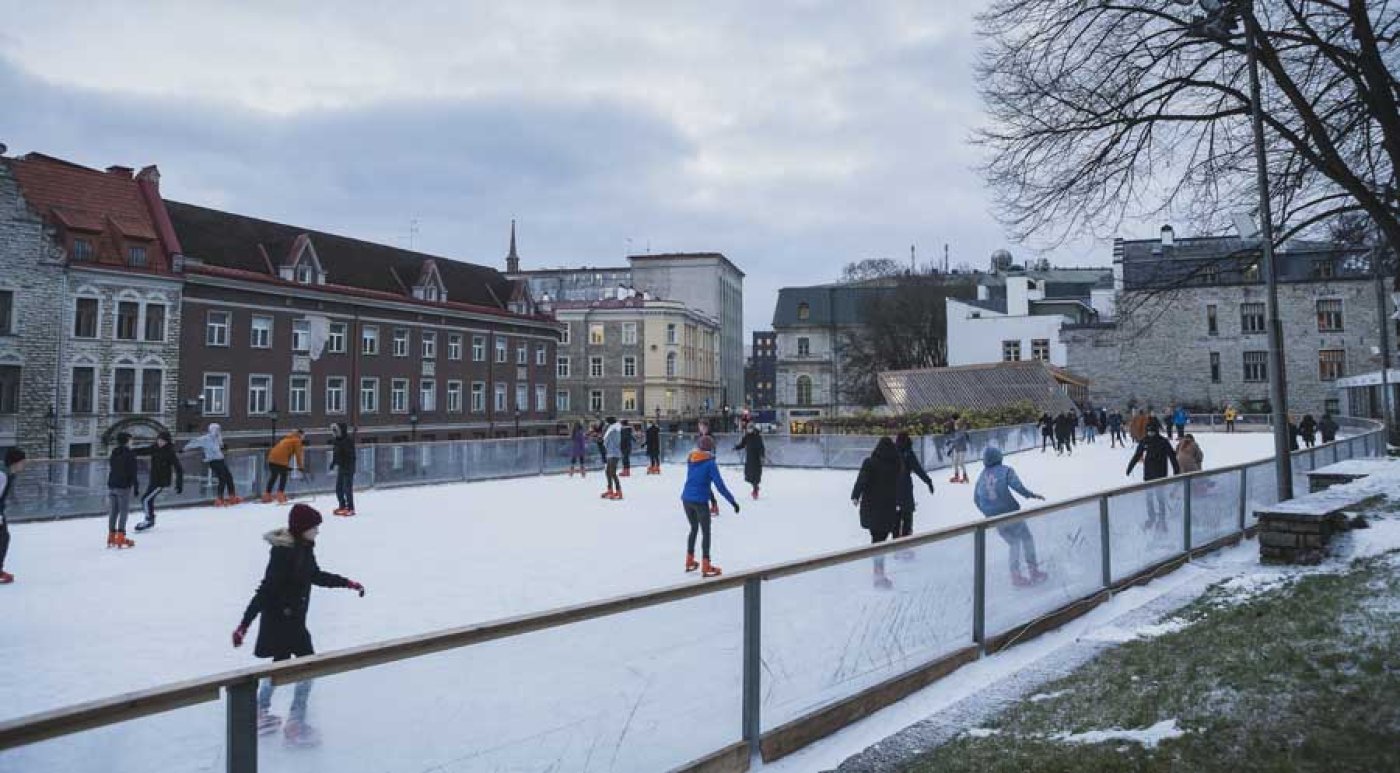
point(285, 449)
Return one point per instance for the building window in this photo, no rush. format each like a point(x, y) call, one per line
point(400, 342)
point(429, 345)
point(478, 397)
point(1251, 317)
point(124, 390)
point(215, 394)
point(561, 367)
point(500, 397)
point(564, 338)
point(301, 335)
point(595, 400)
point(629, 366)
point(7, 312)
point(369, 395)
point(335, 394)
point(152, 388)
point(1329, 315)
point(629, 333)
point(1215, 367)
point(454, 346)
point(595, 335)
point(1332, 405)
point(85, 318)
point(595, 367)
point(398, 395)
point(1251, 272)
point(804, 347)
point(522, 397)
point(1331, 364)
point(670, 365)
point(82, 250)
point(804, 312)
point(216, 326)
point(501, 350)
point(541, 398)
point(1040, 349)
point(10, 379)
point(335, 338)
point(1212, 321)
point(1210, 273)
point(259, 394)
point(541, 355)
point(1256, 366)
point(155, 322)
point(128, 315)
point(629, 400)
point(1010, 351)
point(136, 257)
point(427, 396)
point(260, 336)
point(369, 340)
point(522, 354)
point(671, 333)
point(299, 394)
point(478, 348)
point(671, 400)
point(83, 388)
point(454, 397)
point(561, 400)
point(804, 390)
point(1323, 268)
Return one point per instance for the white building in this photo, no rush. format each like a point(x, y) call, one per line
point(1018, 315)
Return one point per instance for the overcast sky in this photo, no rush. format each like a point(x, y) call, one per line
point(793, 137)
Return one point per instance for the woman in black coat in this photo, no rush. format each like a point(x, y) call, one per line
point(1308, 429)
point(283, 599)
point(752, 446)
point(912, 468)
point(876, 493)
point(343, 462)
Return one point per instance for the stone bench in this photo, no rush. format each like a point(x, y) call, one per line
point(1299, 530)
point(1324, 478)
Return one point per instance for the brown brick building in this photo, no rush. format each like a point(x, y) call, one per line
point(288, 327)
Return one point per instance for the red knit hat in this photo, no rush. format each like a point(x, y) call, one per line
point(302, 518)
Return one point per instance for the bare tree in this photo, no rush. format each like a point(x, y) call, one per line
point(871, 268)
point(905, 328)
point(1105, 110)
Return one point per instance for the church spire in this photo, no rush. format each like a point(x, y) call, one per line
point(512, 260)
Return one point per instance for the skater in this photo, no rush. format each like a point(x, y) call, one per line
point(343, 461)
point(653, 449)
point(577, 456)
point(211, 445)
point(122, 484)
point(876, 493)
point(702, 472)
point(14, 465)
point(1179, 420)
point(626, 449)
point(752, 446)
point(1189, 456)
point(1155, 423)
point(702, 428)
point(279, 463)
point(612, 451)
point(1064, 434)
point(283, 599)
point(910, 465)
point(164, 461)
point(993, 496)
point(1103, 421)
point(1073, 429)
point(1091, 426)
point(598, 430)
point(1115, 431)
point(1155, 453)
point(1047, 432)
point(1308, 429)
point(1137, 426)
point(1230, 415)
point(1328, 427)
point(1293, 433)
point(958, 446)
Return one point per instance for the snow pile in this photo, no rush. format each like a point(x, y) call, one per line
point(982, 732)
point(1116, 635)
point(1148, 737)
point(1048, 696)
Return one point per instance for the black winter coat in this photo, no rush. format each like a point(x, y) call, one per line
point(1155, 453)
point(626, 440)
point(912, 467)
point(752, 446)
point(1308, 428)
point(1047, 425)
point(1329, 429)
point(343, 453)
point(877, 488)
point(653, 440)
point(121, 473)
point(284, 597)
point(164, 461)
point(1064, 427)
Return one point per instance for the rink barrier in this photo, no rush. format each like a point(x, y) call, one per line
point(238, 687)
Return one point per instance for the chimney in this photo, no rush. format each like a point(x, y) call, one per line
point(120, 171)
point(148, 183)
point(1168, 237)
point(1018, 296)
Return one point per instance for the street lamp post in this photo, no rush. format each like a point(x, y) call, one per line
point(51, 422)
point(413, 425)
point(517, 422)
point(274, 416)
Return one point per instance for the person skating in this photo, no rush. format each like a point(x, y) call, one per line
point(702, 472)
point(1308, 429)
point(627, 439)
point(1115, 430)
point(578, 444)
point(876, 493)
point(653, 437)
point(14, 465)
point(612, 451)
point(1064, 434)
point(1179, 419)
point(958, 445)
point(211, 446)
point(752, 446)
point(279, 463)
point(597, 435)
point(1293, 434)
point(1073, 429)
point(702, 429)
point(123, 483)
point(1091, 426)
point(1328, 427)
point(1137, 426)
point(1155, 423)
point(910, 466)
point(164, 462)
point(993, 497)
point(1155, 453)
point(344, 462)
point(1230, 415)
point(1047, 431)
point(282, 600)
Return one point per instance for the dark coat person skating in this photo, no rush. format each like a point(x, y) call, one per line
point(1156, 454)
point(904, 498)
point(877, 494)
point(165, 466)
point(752, 446)
point(343, 461)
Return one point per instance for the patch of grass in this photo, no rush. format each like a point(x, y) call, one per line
point(1302, 677)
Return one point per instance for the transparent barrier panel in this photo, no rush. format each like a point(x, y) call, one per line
point(1066, 548)
point(558, 449)
point(1301, 464)
point(847, 452)
point(504, 458)
point(1145, 527)
point(191, 738)
point(797, 450)
point(1263, 488)
point(1215, 506)
point(650, 689)
point(832, 632)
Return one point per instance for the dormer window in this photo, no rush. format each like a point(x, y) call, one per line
point(430, 293)
point(136, 257)
point(804, 311)
point(305, 274)
point(82, 249)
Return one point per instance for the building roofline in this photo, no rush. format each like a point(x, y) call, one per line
point(688, 256)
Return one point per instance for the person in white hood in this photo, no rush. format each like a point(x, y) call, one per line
point(211, 444)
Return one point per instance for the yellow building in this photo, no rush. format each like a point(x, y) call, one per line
point(681, 370)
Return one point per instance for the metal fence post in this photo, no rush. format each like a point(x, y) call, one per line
point(241, 727)
point(542, 455)
point(979, 586)
point(753, 664)
point(1186, 515)
point(1105, 542)
point(1336, 453)
point(1244, 496)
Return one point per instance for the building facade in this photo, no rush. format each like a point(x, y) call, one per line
point(761, 372)
point(1018, 315)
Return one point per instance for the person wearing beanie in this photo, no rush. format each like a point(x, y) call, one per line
point(122, 484)
point(14, 465)
point(164, 462)
point(282, 600)
point(653, 436)
point(343, 462)
point(211, 446)
point(612, 452)
point(279, 463)
point(702, 472)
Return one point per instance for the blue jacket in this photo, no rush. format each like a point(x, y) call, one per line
point(992, 494)
point(1179, 417)
point(701, 471)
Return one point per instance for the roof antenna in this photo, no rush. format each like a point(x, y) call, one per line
point(412, 234)
point(911, 258)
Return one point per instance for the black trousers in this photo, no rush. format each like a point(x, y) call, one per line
point(223, 476)
point(654, 457)
point(277, 475)
point(905, 526)
point(345, 487)
point(698, 513)
point(627, 460)
point(4, 543)
point(613, 480)
point(148, 501)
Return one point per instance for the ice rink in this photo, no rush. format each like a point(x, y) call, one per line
point(83, 622)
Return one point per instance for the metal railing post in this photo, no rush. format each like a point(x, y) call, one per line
point(1186, 515)
point(753, 664)
point(1105, 542)
point(1244, 496)
point(979, 586)
point(241, 727)
point(1335, 452)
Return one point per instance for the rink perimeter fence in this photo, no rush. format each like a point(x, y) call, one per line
point(704, 676)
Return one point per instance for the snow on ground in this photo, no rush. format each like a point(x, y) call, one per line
point(1148, 736)
point(83, 622)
